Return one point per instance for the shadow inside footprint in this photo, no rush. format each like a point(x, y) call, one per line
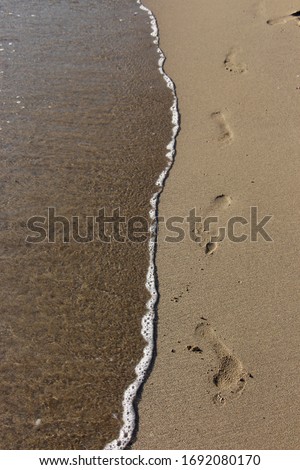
point(296, 14)
point(285, 19)
point(210, 248)
point(223, 201)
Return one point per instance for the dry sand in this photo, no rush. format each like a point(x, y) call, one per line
point(237, 79)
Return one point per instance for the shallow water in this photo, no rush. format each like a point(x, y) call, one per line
point(84, 124)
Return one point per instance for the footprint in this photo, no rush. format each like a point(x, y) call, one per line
point(284, 19)
point(211, 247)
point(209, 233)
point(229, 376)
point(231, 63)
point(226, 134)
point(222, 201)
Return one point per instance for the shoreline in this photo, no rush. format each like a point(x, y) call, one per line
point(225, 375)
point(142, 368)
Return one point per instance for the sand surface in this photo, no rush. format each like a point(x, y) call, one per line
point(226, 373)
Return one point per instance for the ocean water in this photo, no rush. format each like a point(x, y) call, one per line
point(85, 120)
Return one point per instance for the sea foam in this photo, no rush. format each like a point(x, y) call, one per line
point(129, 414)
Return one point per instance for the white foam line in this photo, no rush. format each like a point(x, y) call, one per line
point(147, 331)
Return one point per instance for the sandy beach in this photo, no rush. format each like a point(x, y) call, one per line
point(226, 374)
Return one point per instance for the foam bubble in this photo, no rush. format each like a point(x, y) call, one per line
point(147, 330)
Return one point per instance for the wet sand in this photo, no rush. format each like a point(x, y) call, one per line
point(226, 373)
point(84, 124)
